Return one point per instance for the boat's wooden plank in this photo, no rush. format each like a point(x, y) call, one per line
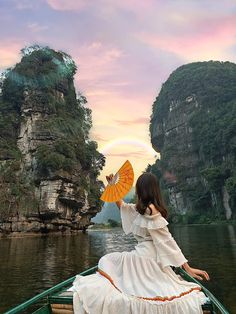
point(62, 311)
point(62, 306)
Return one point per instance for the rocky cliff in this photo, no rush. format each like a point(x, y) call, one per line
point(193, 126)
point(48, 164)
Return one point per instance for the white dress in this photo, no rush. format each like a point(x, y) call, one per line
point(140, 281)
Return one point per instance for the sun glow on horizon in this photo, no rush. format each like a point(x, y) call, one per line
point(117, 151)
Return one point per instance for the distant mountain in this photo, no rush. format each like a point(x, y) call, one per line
point(111, 211)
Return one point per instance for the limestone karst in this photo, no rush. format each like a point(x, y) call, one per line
point(48, 164)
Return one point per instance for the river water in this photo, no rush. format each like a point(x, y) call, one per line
point(31, 265)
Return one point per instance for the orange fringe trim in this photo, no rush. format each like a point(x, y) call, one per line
point(157, 298)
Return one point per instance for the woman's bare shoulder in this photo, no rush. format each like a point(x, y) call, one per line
point(154, 210)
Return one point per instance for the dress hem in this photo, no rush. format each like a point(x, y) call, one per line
point(88, 299)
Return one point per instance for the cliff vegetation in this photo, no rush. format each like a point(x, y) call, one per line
point(193, 126)
point(48, 164)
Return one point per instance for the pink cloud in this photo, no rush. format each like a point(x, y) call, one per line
point(208, 39)
point(10, 53)
point(96, 60)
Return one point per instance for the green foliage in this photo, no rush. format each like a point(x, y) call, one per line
point(40, 68)
point(195, 217)
point(94, 195)
point(212, 120)
point(44, 67)
point(110, 224)
point(65, 148)
point(113, 223)
point(49, 160)
point(16, 192)
point(55, 157)
point(155, 169)
point(215, 176)
point(204, 79)
point(231, 188)
point(214, 130)
point(9, 126)
point(231, 184)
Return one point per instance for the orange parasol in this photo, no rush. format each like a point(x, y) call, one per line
point(120, 184)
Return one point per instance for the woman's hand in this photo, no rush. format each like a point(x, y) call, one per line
point(196, 273)
point(109, 178)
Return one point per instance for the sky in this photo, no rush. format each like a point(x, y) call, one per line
point(124, 50)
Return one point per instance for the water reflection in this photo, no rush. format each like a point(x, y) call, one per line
point(212, 248)
point(31, 265)
point(232, 238)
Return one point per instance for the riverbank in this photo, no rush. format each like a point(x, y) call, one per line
point(100, 227)
point(37, 234)
point(212, 223)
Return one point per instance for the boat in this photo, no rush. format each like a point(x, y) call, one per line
point(59, 298)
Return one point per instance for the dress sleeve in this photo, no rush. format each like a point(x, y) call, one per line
point(128, 214)
point(168, 251)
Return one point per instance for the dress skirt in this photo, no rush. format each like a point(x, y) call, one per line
point(129, 283)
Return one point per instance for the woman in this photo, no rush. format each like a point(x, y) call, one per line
point(141, 281)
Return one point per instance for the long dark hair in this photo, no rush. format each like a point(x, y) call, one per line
point(148, 192)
